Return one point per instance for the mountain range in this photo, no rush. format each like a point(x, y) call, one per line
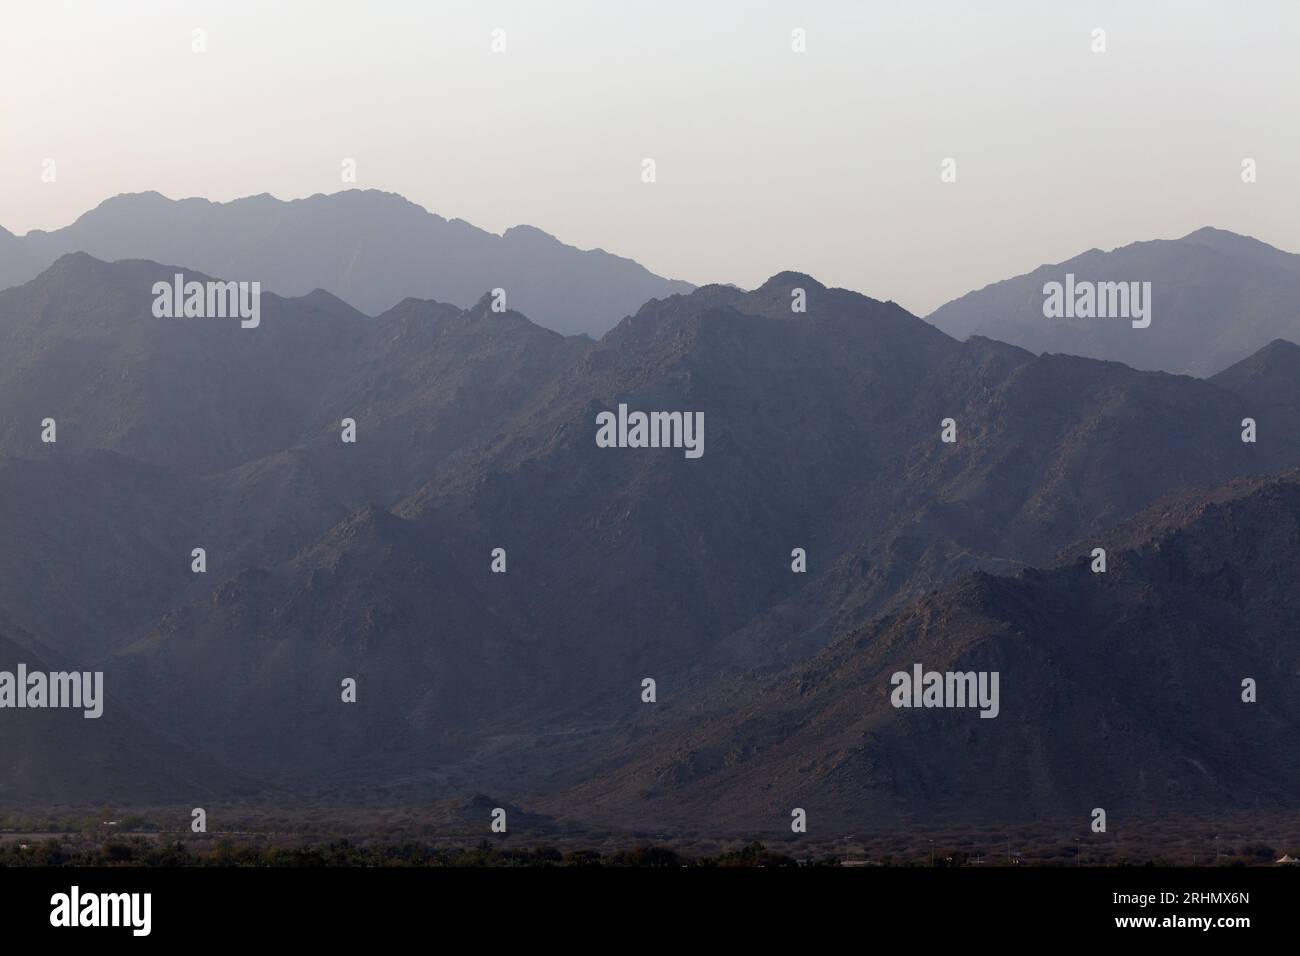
point(501, 587)
point(1217, 297)
point(476, 431)
point(370, 248)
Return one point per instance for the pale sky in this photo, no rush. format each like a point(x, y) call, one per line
point(826, 162)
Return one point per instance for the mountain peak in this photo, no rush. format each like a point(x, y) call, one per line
point(790, 279)
point(427, 308)
point(121, 201)
point(82, 268)
point(323, 300)
point(1269, 377)
point(71, 260)
point(352, 197)
point(527, 233)
point(1280, 347)
point(482, 309)
point(1211, 298)
point(1279, 353)
point(1214, 232)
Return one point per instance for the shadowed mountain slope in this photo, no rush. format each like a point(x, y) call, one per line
point(1120, 690)
point(54, 757)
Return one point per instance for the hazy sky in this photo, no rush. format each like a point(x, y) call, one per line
point(827, 162)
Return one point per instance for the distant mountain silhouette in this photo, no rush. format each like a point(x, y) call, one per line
point(1217, 297)
point(476, 431)
point(370, 248)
